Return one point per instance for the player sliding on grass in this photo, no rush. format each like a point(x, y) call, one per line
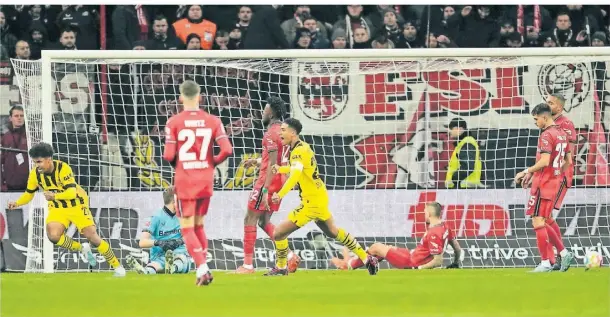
point(260, 206)
point(189, 147)
point(546, 185)
point(162, 234)
point(68, 203)
point(304, 173)
point(428, 253)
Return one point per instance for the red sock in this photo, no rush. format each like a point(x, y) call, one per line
point(203, 240)
point(269, 229)
point(554, 234)
point(193, 246)
point(249, 240)
point(550, 252)
point(542, 240)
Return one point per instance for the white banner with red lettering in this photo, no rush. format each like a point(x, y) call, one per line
point(370, 213)
point(380, 103)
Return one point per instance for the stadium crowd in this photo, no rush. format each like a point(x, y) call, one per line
point(27, 30)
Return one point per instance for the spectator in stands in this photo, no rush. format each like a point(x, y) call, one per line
point(530, 21)
point(409, 38)
point(161, 39)
point(14, 165)
point(193, 42)
point(3, 53)
point(303, 39)
point(7, 38)
point(67, 40)
point(338, 38)
point(562, 34)
point(301, 14)
point(22, 50)
point(319, 39)
point(377, 17)
point(580, 17)
point(38, 40)
point(194, 23)
point(599, 38)
point(390, 29)
point(381, 42)
point(362, 38)
point(352, 21)
point(37, 16)
point(139, 46)
point(438, 21)
point(223, 41)
point(236, 36)
point(475, 28)
point(512, 40)
point(243, 19)
point(264, 31)
point(465, 165)
point(130, 23)
point(84, 21)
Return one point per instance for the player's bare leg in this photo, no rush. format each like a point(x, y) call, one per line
point(329, 228)
point(104, 249)
point(542, 241)
point(280, 236)
point(197, 251)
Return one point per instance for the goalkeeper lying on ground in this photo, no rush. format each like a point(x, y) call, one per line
point(162, 234)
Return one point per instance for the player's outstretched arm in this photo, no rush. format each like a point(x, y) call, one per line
point(296, 169)
point(28, 195)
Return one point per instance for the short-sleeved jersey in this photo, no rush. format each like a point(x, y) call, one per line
point(568, 127)
point(57, 181)
point(553, 141)
point(163, 225)
point(432, 243)
point(272, 143)
point(310, 184)
point(194, 132)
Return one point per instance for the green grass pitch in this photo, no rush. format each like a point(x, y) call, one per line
point(482, 292)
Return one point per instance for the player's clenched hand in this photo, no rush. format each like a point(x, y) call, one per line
point(50, 196)
point(11, 205)
point(250, 162)
point(275, 168)
point(527, 180)
point(519, 177)
point(275, 198)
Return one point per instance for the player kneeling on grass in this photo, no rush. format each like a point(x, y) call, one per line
point(427, 255)
point(68, 203)
point(162, 234)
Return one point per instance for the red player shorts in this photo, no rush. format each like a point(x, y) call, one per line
point(399, 258)
point(561, 194)
point(539, 207)
point(255, 201)
point(192, 207)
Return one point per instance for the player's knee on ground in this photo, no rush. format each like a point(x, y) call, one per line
point(90, 234)
point(538, 222)
point(54, 232)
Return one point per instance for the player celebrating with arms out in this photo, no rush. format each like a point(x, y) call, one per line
point(428, 253)
point(162, 235)
point(260, 206)
point(189, 148)
point(303, 171)
point(68, 203)
point(547, 180)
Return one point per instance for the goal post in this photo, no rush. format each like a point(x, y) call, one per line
point(377, 119)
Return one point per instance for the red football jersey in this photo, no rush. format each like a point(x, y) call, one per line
point(568, 127)
point(193, 132)
point(432, 243)
point(272, 142)
point(554, 141)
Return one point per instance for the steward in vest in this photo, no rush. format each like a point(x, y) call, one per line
point(194, 23)
point(465, 164)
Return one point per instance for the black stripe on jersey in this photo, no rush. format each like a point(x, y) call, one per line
point(73, 202)
point(31, 191)
point(55, 180)
point(69, 186)
point(259, 200)
point(537, 207)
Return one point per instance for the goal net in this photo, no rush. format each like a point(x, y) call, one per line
point(378, 121)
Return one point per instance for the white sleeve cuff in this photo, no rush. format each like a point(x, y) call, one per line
point(296, 166)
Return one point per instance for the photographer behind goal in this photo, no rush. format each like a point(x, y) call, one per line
point(162, 234)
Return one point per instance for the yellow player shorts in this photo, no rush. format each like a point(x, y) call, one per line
point(80, 216)
point(310, 209)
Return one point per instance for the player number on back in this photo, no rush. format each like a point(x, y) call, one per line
point(186, 155)
point(561, 150)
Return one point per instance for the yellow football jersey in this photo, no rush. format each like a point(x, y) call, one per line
point(57, 182)
point(309, 183)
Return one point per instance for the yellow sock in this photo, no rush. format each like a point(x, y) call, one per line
point(281, 252)
point(68, 243)
point(106, 251)
point(350, 242)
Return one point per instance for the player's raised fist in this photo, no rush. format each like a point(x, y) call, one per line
point(275, 168)
point(50, 196)
point(11, 205)
point(275, 198)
